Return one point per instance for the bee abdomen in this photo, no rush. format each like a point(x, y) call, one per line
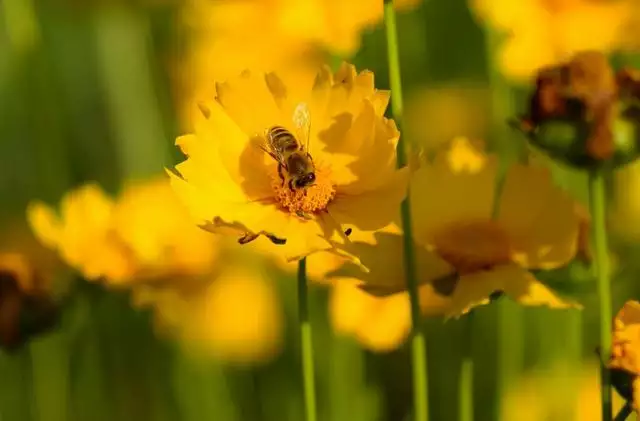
point(282, 139)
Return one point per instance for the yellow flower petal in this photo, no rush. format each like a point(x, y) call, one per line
point(249, 102)
point(385, 260)
point(541, 219)
point(374, 209)
point(459, 185)
point(520, 285)
point(44, 223)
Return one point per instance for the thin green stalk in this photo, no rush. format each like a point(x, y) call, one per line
point(624, 413)
point(418, 341)
point(597, 202)
point(465, 385)
point(124, 54)
point(308, 375)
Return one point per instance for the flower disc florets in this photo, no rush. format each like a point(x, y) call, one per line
point(312, 199)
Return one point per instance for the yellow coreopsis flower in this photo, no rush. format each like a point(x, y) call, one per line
point(563, 392)
point(210, 316)
point(545, 32)
point(465, 252)
point(380, 324)
point(229, 37)
point(143, 234)
point(82, 233)
point(229, 179)
point(625, 352)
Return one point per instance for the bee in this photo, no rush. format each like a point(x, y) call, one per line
point(292, 157)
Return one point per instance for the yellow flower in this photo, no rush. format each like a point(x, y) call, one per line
point(380, 324)
point(144, 234)
point(154, 225)
point(546, 32)
point(234, 316)
point(563, 392)
point(462, 250)
point(625, 352)
point(229, 37)
point(227, 181)
point(82, 233)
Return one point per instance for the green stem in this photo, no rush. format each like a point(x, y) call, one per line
point(418, 341)
point(465, 387)
point(50, 374)
point(624, 413)
point(308, 375)
point(121, 38)
point(597, 199)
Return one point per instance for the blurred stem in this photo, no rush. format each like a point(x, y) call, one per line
point(21, 23)
point(122, 41)
point(624, 412)
point(418, 342)
point(597, 203)
point(465, 387)
point(50, 374)
point(308, 375)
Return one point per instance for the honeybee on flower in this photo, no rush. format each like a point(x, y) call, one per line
point(305, 198)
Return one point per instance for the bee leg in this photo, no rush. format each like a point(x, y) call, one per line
point(276, 240)
point(304, 215)
point(348, 232)
point(247, 237)
point(280, 167)
point(291, 185)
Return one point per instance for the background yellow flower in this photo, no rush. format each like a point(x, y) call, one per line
point(544, 32)
point(234, 316)
point(560, 392)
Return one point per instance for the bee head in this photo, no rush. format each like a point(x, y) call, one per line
point(306, 180)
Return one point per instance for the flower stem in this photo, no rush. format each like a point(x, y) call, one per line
point(465, 385)
point(308, 374)
point(597, 205)
point(418, 342)
point(624, 412)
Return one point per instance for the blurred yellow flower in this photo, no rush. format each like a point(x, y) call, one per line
point(546, 32)
point(230, 36)
point(82, 233)
point(234, 315)
point(463, 251)
point(561, 393)
point(227, 181)
point(144, 234)
point(625, 352)
point(379, 324)
point(537, 226)
point(436, 115)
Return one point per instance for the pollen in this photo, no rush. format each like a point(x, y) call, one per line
point(309, 200)
point(471, 246)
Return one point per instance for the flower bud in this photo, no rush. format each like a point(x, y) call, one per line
point(583, 114)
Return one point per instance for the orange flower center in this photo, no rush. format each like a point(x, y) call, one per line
point(470, 246)
point(304, 200)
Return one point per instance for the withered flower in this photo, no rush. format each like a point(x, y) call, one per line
point(579, 114)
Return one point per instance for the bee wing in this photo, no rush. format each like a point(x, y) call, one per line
point(302, 122)
point(266, 148)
